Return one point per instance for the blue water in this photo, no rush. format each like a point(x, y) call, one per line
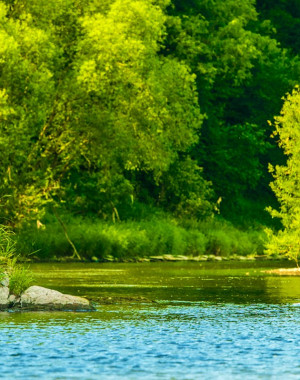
point(170, 339)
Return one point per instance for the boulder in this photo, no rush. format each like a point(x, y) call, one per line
point(39, 298)
point(4, 297)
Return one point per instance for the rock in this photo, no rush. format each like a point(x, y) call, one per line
point(170, 258)
point(4, 280)
point(4, 294)
point(218, 258)
point(12, 299)
point(284, 271)
point(143, 260)
point(108, 258)
point(39, 298)
point(156, 258)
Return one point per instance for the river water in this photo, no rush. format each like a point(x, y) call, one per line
point(209, 321)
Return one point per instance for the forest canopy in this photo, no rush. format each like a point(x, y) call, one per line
point(108, 106)
point(88, 103)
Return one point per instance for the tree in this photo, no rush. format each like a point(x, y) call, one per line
point(286, 184)
point(285, 17)
point(86, 99)
point(241, 74)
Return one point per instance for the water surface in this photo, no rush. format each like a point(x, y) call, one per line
point(210, 320)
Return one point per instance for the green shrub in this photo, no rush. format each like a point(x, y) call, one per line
point(219, 243)
point(20, 278)
point(224, 239)
point(155, 236)
point(7, 246)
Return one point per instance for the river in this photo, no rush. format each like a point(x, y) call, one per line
point(159, 321)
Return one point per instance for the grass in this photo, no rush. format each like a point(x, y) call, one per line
point(160, 235)
point(20, 278)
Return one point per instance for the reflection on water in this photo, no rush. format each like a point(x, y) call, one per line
point(188, 281)
point(208, 322)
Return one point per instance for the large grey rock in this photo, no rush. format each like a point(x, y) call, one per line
point(39, 298)
point(4, 295)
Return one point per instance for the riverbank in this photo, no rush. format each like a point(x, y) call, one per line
point(160, 258)
point(285, 271)
point(160, 238)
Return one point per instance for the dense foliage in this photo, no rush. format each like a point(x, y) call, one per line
point(115, 109)
point(286, 183)
point(242, 73)
point(89, 105)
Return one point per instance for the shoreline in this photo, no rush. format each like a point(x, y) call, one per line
point(159, 258)
point(284, 271)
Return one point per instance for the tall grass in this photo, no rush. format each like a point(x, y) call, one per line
point(144, 238)
point(20, 278)
point(224, 239)
point(7, 246)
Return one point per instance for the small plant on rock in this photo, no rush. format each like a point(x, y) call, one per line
point(20, 278)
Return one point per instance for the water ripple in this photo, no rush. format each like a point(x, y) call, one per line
point(170, 342)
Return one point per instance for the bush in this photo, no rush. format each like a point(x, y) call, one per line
point(286, 181)
point(224, 239)
point(20, 278)
point(132, 239)
point(7, 246)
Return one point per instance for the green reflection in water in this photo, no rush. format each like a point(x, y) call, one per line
point(237, 282)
